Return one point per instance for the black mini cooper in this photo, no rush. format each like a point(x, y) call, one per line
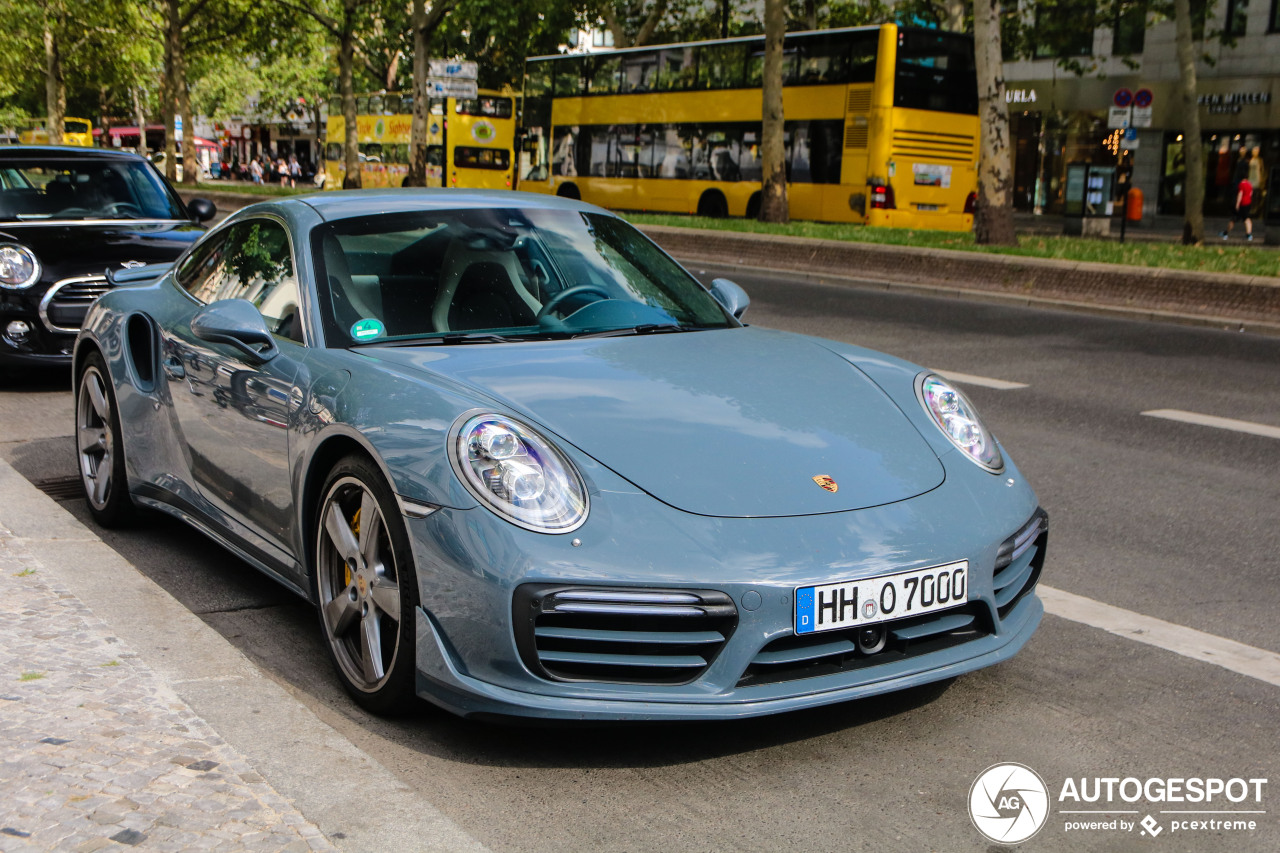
point(68, 217)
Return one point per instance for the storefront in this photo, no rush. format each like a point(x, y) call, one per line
point(1071, 119)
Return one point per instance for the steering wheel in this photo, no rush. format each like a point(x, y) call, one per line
point(125, 208)
point(568, 293)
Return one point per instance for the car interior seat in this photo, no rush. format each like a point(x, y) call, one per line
point(485, 299)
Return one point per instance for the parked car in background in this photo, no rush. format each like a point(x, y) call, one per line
point(68, 217)
point(525, 465)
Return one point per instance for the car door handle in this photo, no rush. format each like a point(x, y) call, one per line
point(173, 367)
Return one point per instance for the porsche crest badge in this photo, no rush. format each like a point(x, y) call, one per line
point(826, 482)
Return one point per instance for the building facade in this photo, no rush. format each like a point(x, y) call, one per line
point(1126, 106)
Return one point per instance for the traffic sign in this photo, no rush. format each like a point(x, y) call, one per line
point(450, 87)
point(1142, 116)
point(453, 68)
point(1123, 98)
point(1143, 98)
point(1118, 117)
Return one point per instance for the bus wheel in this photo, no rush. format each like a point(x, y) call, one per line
point(712, 204)
point(569, 191)
point(753, 206)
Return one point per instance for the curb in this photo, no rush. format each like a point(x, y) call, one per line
point(1237, 302)
point(315, 768)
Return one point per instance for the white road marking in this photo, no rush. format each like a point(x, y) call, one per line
point(969, 379)
point(1212, 421)
point(1188, 642)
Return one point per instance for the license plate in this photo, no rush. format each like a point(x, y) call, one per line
point(926, 207)
point(852, 604)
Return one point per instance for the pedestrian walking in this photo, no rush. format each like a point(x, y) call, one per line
point(1244, 201)
point(282, 172)
point(295, 170)
point(255, 170)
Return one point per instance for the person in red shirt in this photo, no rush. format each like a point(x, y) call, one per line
point(1244, 200)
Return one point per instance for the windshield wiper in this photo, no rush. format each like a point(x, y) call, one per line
point(645, 329)
point(443, 340)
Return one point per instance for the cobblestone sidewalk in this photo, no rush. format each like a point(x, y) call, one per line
point(97, 752)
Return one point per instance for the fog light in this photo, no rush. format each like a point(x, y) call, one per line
point(16, 332)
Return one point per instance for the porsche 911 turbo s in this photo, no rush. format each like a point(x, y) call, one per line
point(525, 465)
point(68, 217)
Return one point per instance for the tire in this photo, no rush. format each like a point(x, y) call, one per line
point(713, 205)
point(99, 448)
point(366, 589)
point(569, 191)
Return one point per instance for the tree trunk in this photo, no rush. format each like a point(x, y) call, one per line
point(141, 118)
point(172, 58)
point(773, 204)
point(1192, 149)
point(993, 215)
point(190, 159)
point(55, 87)
point(346, 85)
point(417, 176)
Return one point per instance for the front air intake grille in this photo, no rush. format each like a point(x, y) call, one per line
point(64, 305)
point(934, 147)
point(620, 635)
point(1018, 562)
point(811, 655)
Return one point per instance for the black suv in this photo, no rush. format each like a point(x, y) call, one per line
point(68, 217)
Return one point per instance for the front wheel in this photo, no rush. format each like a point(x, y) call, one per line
point(99, 449)
point(366, 587)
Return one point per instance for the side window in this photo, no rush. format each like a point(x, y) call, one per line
point(250, 260)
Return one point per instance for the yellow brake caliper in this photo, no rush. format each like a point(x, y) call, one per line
point(355, 528)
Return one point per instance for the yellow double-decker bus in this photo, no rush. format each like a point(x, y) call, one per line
point(75, 131)
point(470, 141)
point(881, 127)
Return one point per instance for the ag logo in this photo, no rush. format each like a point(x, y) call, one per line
point(1008, 803)
point(826, 482)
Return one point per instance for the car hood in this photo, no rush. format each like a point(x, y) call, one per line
point(732, 423)
point(87, 248)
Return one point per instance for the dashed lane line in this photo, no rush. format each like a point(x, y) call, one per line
point(984, 381)
point(1216, 422)
point(1188, 642)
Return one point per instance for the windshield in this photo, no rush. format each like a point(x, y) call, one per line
point(489, 275)
point(83, 188)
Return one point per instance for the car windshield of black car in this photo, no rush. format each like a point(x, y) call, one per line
point(82, 188)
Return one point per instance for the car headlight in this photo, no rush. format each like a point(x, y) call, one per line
point(18, 266)
point(518, 474)
point(955, 416)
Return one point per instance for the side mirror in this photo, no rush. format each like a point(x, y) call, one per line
point(201, 209)
point(731, 296)
point(238, 323)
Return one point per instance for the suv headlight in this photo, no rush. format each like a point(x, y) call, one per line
point(19, 267)
point(952, 412)
point(518, 474)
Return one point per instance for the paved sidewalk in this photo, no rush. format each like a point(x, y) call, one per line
point(99, 752)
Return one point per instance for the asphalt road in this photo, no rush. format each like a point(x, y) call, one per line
point(1167, 519)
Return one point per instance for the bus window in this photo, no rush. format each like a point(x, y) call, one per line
point(822, 59)
point(76, 126)
point(372, 151)
point(639, 71)
point(406, 104)
point(333, 151)
point(675, 70)
point(362, 105)
point(671, 155)
point(935, 72)
point(720, 66)
point(537, 79)
point(490, 107)
point(569, 82)
point(375, 105)
point(604, 72)
point(755, 66)
point(863, 50)
point(470, 157)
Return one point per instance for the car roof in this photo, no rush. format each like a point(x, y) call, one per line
point(345, 204)
point(64, 152)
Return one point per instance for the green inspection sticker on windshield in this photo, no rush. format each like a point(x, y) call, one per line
point(368, 330)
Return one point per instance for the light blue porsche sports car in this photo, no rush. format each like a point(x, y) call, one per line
point(524, 464)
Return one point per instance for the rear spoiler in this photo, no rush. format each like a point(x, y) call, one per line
point(136, 275)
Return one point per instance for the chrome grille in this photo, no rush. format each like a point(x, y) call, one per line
point(926, 145)
point(621, 635)
point(1018, 562)
point(810, 655)
point(64, 305)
